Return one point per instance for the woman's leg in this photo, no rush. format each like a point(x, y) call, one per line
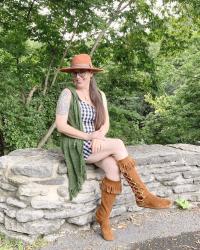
point(110, 147)
point(110, 187)
point(127, 166)
point(109, 165)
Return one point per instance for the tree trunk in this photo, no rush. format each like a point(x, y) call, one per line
point(48, 134)
point(30, 95)
point(47, 76)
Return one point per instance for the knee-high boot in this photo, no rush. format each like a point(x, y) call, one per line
point(109, 190)
point(143, 197)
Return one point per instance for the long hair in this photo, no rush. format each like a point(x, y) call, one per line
point(96, 99)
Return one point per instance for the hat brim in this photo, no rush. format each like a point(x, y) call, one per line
point(72, 69)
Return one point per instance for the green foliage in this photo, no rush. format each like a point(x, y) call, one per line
point(14, 244)
point(183, 203)
point(176, 116)
point(143, 54)
point(125, 125)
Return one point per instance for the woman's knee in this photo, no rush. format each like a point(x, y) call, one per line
point(119, 144)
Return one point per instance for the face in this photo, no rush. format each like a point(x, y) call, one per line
point(81, 78)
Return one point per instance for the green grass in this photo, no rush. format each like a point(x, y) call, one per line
point(12, 244)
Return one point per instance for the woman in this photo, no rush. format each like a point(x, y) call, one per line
point(82, 119)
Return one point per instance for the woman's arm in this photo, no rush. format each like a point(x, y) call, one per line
point(105, 127)
point(62, 111)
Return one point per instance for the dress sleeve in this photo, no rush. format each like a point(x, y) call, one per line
point(63, 103)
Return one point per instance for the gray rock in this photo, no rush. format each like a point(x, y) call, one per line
point(2, 198)
point(150, 150)
point(197, 180)
point(90, 186)
point(40, 202)
point(74, 210)
point(5, 193)
point(125, 198)
point(158, 159)
point(28, 214)
point(36, 227)
point(192, 159)
point(167, 177)
point(23, 198)
point(188, 196)
point(163, 192)
point(63, 192)
point(62, 214)
point(83, 219)
point(178, 181)
point(41, 168)
point(3, 206)
point(153, 185)
point(32, 189)
point(2, 217)
point(147, 178)
point(27, 152)
point(53, 181)
point(198, 197)
point(186, 188)
point(18, 236)
point(11, 212)
point(7, 186)
point(94, 173)
point(84, 198)
point(18, 179)
point(185, 147)
point(4, 160)
point(134, 208)
point(15, 202)
point(118, 211)
point(170, 169)
point(52, 237)
point(62, 168)
point(191, 174)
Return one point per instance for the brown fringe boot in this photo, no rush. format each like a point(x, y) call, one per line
point(143, 197)
point(109, 190)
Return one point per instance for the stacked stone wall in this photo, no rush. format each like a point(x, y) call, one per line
point(34, 197)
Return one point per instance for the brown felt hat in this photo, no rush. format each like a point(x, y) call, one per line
point(81, 61)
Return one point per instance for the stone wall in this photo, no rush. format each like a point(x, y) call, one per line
point(34, 198)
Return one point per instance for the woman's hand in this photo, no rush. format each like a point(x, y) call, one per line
point(98, 134)
point(96, 145)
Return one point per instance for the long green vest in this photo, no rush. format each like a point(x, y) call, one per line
point(73, 149)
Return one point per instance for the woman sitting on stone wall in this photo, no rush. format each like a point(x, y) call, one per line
point(82, 119)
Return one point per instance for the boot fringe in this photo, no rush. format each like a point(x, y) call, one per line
point(126, 164)
point(111, 187)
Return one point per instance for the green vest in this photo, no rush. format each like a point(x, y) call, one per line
point(73, 149)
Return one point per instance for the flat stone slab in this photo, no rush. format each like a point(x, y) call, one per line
point(41, 168)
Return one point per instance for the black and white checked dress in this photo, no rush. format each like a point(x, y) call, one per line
point(88, 114)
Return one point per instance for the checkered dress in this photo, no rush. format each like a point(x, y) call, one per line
point(88, 114)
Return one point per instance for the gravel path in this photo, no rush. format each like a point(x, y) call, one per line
point(137, 231)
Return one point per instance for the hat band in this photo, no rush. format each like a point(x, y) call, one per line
point(81, 66)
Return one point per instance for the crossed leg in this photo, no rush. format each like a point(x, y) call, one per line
point(112, 157)
point(112, 150)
